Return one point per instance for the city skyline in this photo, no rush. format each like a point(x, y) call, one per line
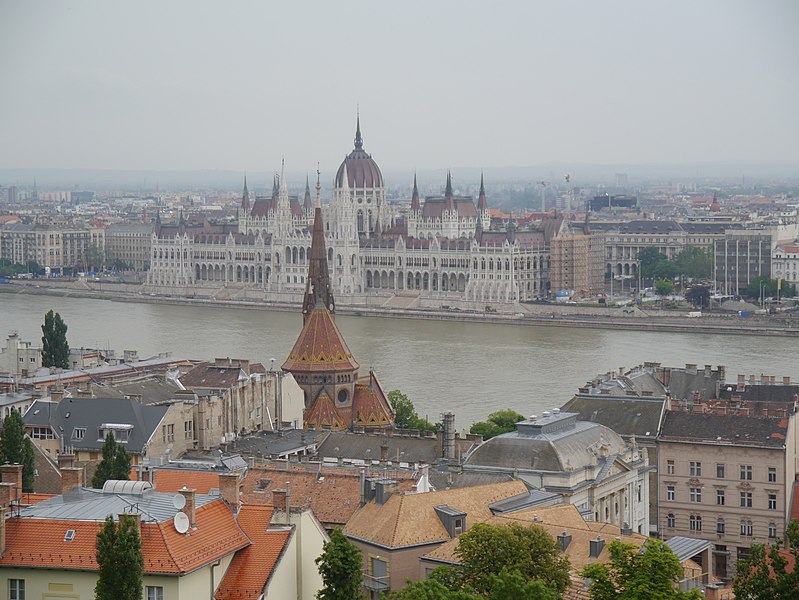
point(154, 87)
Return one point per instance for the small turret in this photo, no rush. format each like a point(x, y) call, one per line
point(245, 198)
point(307, 203)
point(415, 205)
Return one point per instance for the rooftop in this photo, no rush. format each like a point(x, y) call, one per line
point(724, 429)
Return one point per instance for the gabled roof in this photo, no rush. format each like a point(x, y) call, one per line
point(411, 519)
point(434, 206)
point(91, 414)
point(252, 567)
point(630, 415)
point(322, 414)
point(39, 542)
point(212, 376)
point(370, 407)
point(730, 429)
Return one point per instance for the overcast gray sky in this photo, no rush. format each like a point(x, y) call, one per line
point(237, 85)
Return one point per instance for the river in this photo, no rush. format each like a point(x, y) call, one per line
point(469, 368)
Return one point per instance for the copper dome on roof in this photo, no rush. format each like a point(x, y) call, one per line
point(362, 171)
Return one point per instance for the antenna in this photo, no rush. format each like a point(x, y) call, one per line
point(179, 501)
point(181, 522)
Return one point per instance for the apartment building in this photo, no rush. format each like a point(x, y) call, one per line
point(58, 246)
point(129, 243)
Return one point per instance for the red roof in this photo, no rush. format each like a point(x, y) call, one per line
point(40, 542)
point(172, 480)
point(252, 567)
point(320, 347)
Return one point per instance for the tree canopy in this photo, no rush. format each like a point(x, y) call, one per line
point(508, 585)
point(770, 572)
point(341, 568)
point(115, 463)
point(405, 416)
point(698, 295)
point(501, 421)
point(55, 349)
point(632, 574)
point(692, 262)
point(119, 555)
point(17, 448)
point(95, 257)
point(663, 287)
point(787, 290)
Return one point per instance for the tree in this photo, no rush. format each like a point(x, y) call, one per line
point(648, 260)
point(663, 287)
point(766, 574)
point(769, 288)
point(95, 257)
point(430, 589)
point(499, 422)
point(487, 550)
point(115, 463)
point(119, 555)
point(55, 349)
point(405, 416)
point(632, 574)
point(508, 585)
point(17, 449)
point(340, 566)
point(698, 295)
point(694, 262)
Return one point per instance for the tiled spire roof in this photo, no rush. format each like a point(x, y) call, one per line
point(317, 286)
point(415, 205)
point(482, 203)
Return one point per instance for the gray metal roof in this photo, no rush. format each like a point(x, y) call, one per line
point(339, 444)
point(91, 413)
point(272, 443)
point(526, 500)
point(630, 415)
point(687, 547)
point(85, 504)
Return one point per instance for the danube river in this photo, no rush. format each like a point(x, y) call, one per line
point(469, 368)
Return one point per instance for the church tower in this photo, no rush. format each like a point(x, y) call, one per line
point(415, 215)
point(483, 214)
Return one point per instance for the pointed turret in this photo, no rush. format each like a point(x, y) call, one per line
point(317, 286)
point(275, 187)
point(450, 206)
point(482, 203)
point(415, 205)
point(358, 138)
point(307, 203)
point(245, 197)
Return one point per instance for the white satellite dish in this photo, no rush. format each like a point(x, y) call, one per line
point(181, 522)
point(179, 501)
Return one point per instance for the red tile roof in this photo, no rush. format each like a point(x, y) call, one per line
point(40, 542)
point(252, 567)
point(211, 376)
point(320, 347)
point(172, 480)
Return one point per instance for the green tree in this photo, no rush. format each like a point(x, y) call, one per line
point(340, 566)
point(508, 585)
point(119, 555)
point(499, 422)
point(769, 288)
point(632, 574)
point(766, 574)
point(405, 416)
point(694, 262)
point(648, 260)
point(115, 463)
point(487, 550)
point(55, 349)
point(430, 589)
point(17, 449)
point(663, 287)
point(698, 295)
point(95, 257)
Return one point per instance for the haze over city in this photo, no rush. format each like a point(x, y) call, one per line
point(201, 85)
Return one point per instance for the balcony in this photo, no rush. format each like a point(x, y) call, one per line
point(375, 584)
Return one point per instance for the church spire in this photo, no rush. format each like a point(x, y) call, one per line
point(317, 286)
point(448, 190)
point(245, 196)
point(415, 205)
point(318, 188)
point(358, 138)
point(482, 203)
point(307, 204)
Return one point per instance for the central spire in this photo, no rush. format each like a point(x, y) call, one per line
point(317, 286)
point(358, 138)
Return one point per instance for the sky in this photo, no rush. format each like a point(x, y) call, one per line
point(184, 85)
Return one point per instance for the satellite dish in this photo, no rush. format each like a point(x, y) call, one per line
point(179, 501)
point(181, 522)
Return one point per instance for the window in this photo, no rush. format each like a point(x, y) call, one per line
point(695, 469)
point(746, 472)
point(772, 501)
point(720, 526)
point(671, 522)
point(720, 497)
point(669, 492)
point(772, 530)
point(16, 589)
point(695, 522)
point(746, 527)
point(42, 433)
point(695, 494)
point(720, 471)
point(746, 499)
point(670, 467)
point(168, 432)
point(772, 474)
point(188, 430)
point(155, 592)
point(78, 433)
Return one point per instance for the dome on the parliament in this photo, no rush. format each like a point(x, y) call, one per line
point(361, 170)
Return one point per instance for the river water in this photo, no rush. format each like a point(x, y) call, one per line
point(469, 368)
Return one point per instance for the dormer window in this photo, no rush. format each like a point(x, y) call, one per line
point(78, 433)
point(120, 431)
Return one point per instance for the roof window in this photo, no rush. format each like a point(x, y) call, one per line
point(69, 535)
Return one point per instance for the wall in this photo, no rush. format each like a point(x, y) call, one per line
point(283, 581)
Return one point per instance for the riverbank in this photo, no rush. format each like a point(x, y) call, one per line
point(550, 315)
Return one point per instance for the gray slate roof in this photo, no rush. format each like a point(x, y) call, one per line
point(724, 429)
point(687, 547)
point(630, 415)
point(367, 447)
point(91, 413)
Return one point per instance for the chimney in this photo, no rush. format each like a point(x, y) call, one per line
point(713, 591)
point(708, 370)
point(626, 529)
point(66, 460)
point(145, 474)
point(57, 395)
point(229, 489)
point(13, 474)
point(2, 530)
point(71, 478)
point(132, 518)
point(786, 380)
point(742, 378)
point(279, 500)
point(384, 451)
point(690, 368)
point(85, 392)
point(564, 539)
point(595, 547)
point(362, 478)
point(722, 373)
point(384, 489)
point(7, 493)
point(190, 508)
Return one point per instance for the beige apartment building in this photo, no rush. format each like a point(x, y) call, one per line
point(58, 246)
point(725, 473)
point(129, 243)
point(578, 263)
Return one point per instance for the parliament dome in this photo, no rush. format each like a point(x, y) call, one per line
point(362, 171)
